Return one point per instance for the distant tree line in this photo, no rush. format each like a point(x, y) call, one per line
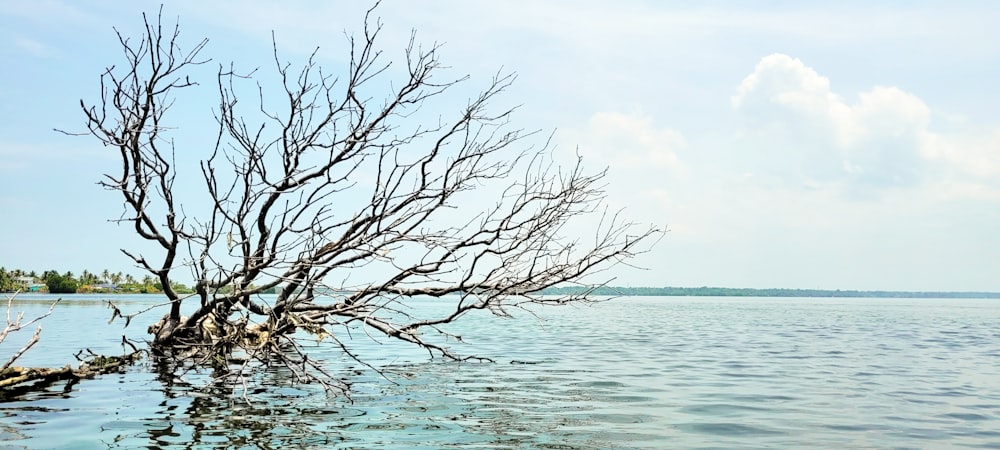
point(52, 281)
point(748, 292)
point(87, 282)
point(116, 282)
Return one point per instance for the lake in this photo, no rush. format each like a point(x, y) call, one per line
point(641, 372)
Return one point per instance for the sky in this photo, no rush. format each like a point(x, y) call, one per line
point(816, 145)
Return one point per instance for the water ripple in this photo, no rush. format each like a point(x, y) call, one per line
point(634, 373)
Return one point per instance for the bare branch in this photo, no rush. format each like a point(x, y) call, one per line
point(16, 324)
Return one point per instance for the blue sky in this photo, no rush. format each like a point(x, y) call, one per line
point(852, 145)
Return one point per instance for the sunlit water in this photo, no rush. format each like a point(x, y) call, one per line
point(632, 373)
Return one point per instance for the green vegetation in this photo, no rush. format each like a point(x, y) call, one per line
point(747, 292)
point(87, 282)
point(7, 281)
point(61, 284)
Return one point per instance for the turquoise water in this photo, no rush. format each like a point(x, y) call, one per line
point(631, 373)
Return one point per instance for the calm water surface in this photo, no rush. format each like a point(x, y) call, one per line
point(652, 372)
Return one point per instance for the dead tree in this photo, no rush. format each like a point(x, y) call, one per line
point(340, 197)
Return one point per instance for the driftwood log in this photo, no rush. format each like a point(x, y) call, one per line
point(16, 380)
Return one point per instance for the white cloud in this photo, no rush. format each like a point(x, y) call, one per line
point(977, 157)
point(783, 80)
point(627, 141)
point(806, 133)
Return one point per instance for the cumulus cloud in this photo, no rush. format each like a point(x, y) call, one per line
point(880, 140)
point(782, 80)
point(803, 131)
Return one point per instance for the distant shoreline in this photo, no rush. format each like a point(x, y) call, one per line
point(752, 292)
point(618, 291)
